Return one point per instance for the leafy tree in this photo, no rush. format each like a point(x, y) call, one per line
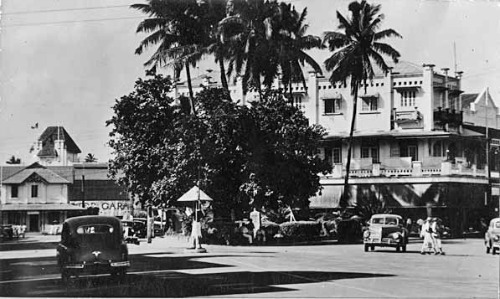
point(90, 158)
point(281, 165)
point(355, 46)
point(163, 151)
point(14, 160)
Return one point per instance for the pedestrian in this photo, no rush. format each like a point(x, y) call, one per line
point(426, 233)
point(246, 230)
point(437, 231)
point(409, 224)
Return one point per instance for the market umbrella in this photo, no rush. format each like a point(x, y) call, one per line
point(195, 194)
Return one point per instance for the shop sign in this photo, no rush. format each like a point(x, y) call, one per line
point(106, 207)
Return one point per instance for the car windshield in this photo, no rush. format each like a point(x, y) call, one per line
point(387, 220)
point(497, 224)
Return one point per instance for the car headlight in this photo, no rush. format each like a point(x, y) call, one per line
point(366, 234)
point(496, 238)
point(396, 236)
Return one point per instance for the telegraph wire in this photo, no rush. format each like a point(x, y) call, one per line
point(62, 10)
point(68, 22)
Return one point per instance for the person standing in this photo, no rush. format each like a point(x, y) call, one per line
point(437, 230)
point(426, 233)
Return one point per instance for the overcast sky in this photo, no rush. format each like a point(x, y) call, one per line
point(65, 62)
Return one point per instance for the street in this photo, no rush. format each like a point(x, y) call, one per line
point(164, 268)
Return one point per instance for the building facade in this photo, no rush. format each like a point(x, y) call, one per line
point(417, 146)
point(57, 186)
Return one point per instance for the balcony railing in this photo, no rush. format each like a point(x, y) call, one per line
point(415, 169)
point(451, 117)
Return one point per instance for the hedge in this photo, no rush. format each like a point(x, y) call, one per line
point(300, 230)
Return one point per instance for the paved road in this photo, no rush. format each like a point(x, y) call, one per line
point(164, 269)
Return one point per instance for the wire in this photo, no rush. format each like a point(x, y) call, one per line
point(64, 9)
point(67, 22)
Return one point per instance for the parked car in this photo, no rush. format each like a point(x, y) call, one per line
point(492, 236)
point(385, 230)
point(140, 229)
point(6, 232)
point(129, 233)
point(92, 245)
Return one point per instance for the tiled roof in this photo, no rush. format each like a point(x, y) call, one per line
point(35, 169)
point(467, 99)
point(54, 133)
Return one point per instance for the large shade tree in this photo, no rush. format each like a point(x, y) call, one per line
point(161, 151)
point(356, 46)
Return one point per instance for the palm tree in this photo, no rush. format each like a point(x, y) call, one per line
point(90, 158)
point(355, 46)
point(247, 30)
point(178, 31)
point(291, 43)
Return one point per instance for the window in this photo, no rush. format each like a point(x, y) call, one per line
point(407, 150)
point(395, 150)
point(369, 104)
point(408, 98)
point(337, 155)
point(34, 190)
point(14, 190)
point(332, 106)
point(370, 151)
point(437, 149)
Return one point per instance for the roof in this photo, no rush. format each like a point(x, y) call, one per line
point(405, 134)
point(56, 133)
point(92, 171)
point(65, 172)
point(93, 218)
point(35, 170)
point(40, 207)
point(492, 133)
point(386, 215)
point(96, 190)
point(467, 99)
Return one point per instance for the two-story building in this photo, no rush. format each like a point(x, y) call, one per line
point(411, 151)
point(57, 186)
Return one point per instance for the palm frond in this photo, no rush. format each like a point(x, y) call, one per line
point(386, 33)
point(387, 50)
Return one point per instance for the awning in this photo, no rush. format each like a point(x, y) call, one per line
point(370, 95)
point(327, 198)
point(40, 207)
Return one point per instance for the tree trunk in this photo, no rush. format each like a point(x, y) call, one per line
point(149, 225)
point(190, 87)
point(344, 200)
point(223, 78)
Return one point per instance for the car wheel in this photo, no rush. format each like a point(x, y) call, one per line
point(372, 248)
point(398, 248)
point(403, 248)
point(366, 248)
point(488, 248)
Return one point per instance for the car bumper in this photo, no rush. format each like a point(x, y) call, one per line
point(389, 242)
point(97, 267)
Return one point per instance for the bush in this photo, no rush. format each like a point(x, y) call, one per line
point(300, 230)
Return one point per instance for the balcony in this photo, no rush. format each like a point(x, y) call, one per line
point(447, 117)
point(408, 119)
point(404, 167)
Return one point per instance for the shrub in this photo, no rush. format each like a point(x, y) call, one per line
point(300, 230)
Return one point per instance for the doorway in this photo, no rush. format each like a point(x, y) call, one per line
point(34, 226)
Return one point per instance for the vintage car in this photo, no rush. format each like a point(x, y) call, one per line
point(492, 236)
point(385, 230)
point(130, 235)
point(92, 245)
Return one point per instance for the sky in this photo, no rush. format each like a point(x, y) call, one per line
point(66, 62)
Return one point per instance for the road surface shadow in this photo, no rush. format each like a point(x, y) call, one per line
point(178, 284)
point(26, 244)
